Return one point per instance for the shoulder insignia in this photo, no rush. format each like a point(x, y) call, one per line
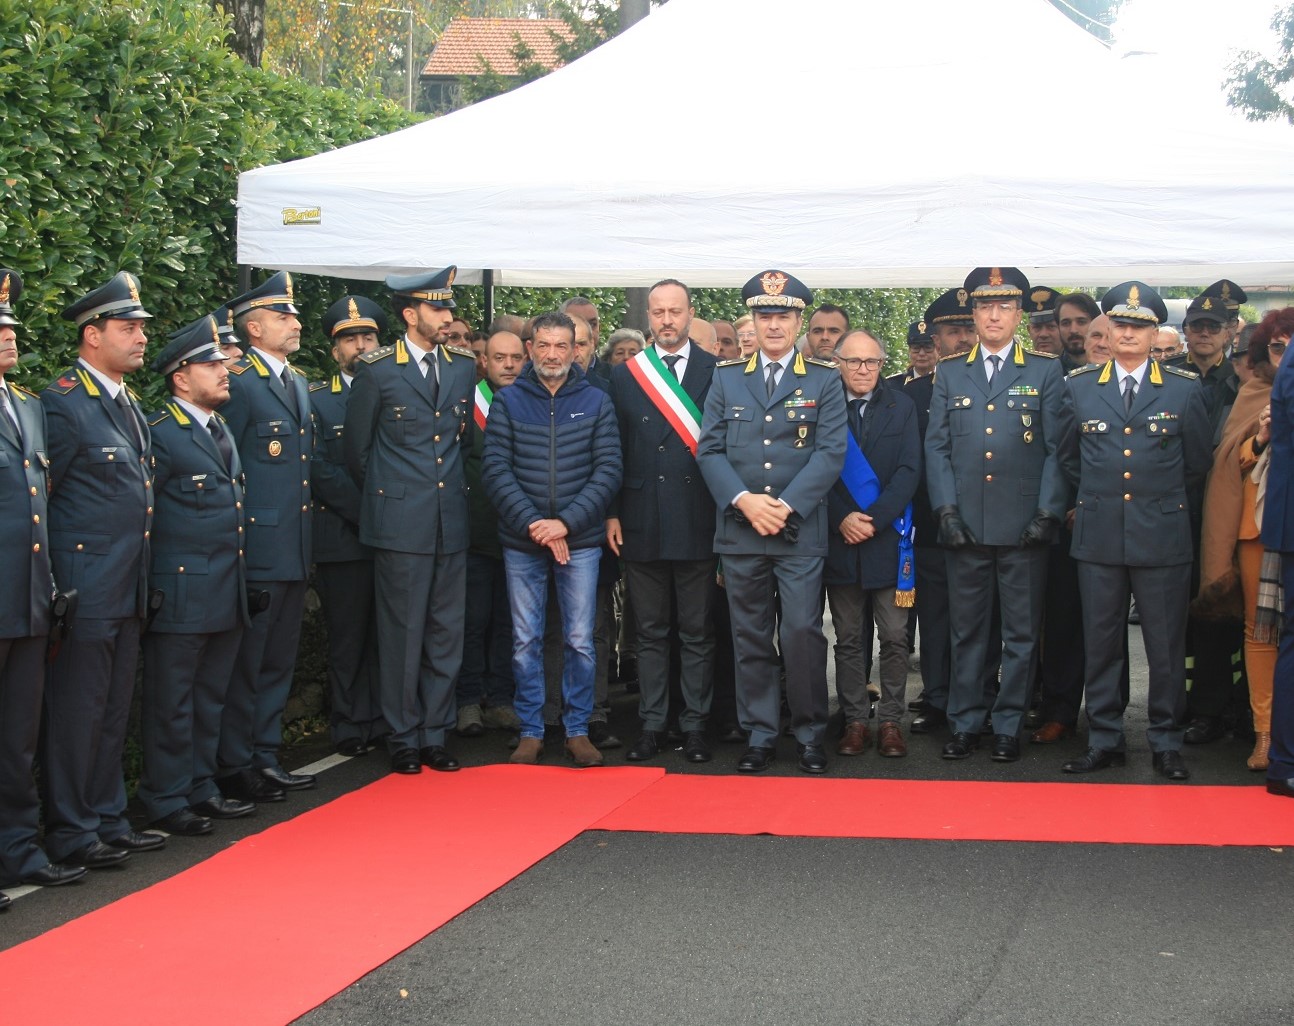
point(731, 363)
point(1083, 370)
point(65, 384)
point(1045, 356)
point(951, 356)
point(315, 386)
point(158, 417)
point(255, 362)
point(22, 393)
point(132, 393)
point(819, 362)
point(180, 416)
point(336, 384)
point(90, 387)
point(378, 354)
point(296, 370)
point(1179, 371)
point(238, 368)
point(460, 351)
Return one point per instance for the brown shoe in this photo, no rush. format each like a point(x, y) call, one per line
point(1259, 758)
point(855, 739)
point(528, 751)
point(890, 744)
point(1050, 732)
point(581, 751)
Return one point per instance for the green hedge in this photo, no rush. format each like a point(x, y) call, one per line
point(126, 125)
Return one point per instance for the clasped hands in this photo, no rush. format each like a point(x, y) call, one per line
point(552, 535)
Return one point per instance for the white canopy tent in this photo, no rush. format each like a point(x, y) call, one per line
point(851, 142)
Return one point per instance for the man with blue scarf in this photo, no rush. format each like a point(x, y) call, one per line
point(869, 555)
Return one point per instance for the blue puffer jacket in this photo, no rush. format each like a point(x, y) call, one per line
point(551, 456)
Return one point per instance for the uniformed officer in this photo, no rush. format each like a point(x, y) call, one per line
point(100, 520)
point(268, 415)
point(1137, 449)
point(228, 339)
point(24, 612)
point(1044, 329)
point(197, 566)
point(344, 566)
point(772, 445)
point(996, 416)
point(406, 416)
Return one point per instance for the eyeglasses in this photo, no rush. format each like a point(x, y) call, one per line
point(455, 336)
point(745, 336)
point(1159, 354)
point(1277, 347)
point(853, 363)
point(1205, 327)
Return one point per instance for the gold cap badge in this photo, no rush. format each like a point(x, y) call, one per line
point(1134, 298)
point(215, 331)
point(133, 285)
point(4, 290)
point(288, 279)
point(995, 277)
point(773, 283)
point(961, 297)
point(352, 308)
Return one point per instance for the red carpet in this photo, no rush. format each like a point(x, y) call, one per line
point(958, 811)
point(416, 851)
point(412, 853)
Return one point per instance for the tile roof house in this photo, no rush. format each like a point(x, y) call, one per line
point(467, 42)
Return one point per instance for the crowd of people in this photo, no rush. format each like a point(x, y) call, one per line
point(501, 523)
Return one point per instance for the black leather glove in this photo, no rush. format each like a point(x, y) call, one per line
point(953, 532)
point(1043, 529)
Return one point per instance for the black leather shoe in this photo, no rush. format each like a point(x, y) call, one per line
point(1204, 729)
point(1170, 764)
point(249, 786)
point(646, 747)
point(695, 748)
point(1095, 759)
point(437, 758)
point(405, 760)
point(732, 735)
point(1005, 748)
point(928, 720)
point(813, 758)
point(1284, 788)
point(223, 808)
point(280, 777)
point(600, 736)
point(96, 855)
point(961, 746)
point(132, 841)
point(352, 747)
point(54, 875)
point(184, 823)
point(1033, 718)
point(756, 759)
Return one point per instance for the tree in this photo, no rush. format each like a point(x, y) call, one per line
point(1260, 86)
point(348, 44)
point(246, 27)
point(1094, 15)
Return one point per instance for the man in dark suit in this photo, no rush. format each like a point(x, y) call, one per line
point(197, 566)
point(343, 565)
point(1278, 536)
point(663, 522)
point(1137, 448)
point(996, 488)
point(772, 445)
point(869, 558)
point(408, 411)
point(100, 519)
point(268, 415)
point(24, 612)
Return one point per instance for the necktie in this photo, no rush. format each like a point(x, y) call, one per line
point(773, 369)
point(995, 366)
point(672, 363)
point(128, 411)
point(433, 379)
point(856, 419)
point(8, 420)
point(1129, 392)
point(222, 443)
point(290, 388)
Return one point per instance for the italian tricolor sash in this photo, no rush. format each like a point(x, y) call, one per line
point(667, 395)
point(484, 396)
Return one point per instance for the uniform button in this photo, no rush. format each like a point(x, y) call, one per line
point(437, 413)
point(148, 484)
point(304, 456)
point(302, 431)
point(1127, 452)
point(251, 520)
point(240, 551)
point(687, 480)
point(660, 448)
point(111, 457)
point(1127, 475)
point(988, 431)
point(36, 518)
point(305, 484)
point(26, 463)
point(440, 484)
point(661, 478)
point(180, 570)
point(767, 441)
point(80, 547)
point(150, 511)
point(36, 547)
point(768, 466)
point(439, 460)
point(1127, 497)
point(990, 407)
point(988, 455)
point(381, 492)
point(145, 536)
point(305, 509)
point(1127, 431)
point(768, 488)
point(988, 477)
point(769, 418)
point(33, 491)
point(238, 505)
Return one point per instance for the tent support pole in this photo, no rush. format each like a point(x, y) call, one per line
point(487, 280)
point(244, 278)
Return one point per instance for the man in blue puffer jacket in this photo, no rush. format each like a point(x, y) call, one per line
point(551, 465)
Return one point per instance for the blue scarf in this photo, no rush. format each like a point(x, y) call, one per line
point(864, 486)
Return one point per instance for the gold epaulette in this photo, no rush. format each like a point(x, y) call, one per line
point(23, 392)
point(317, 385)
point(65, 384)
point(732, 363)
point(951, 356)
point(1083, 370)
point(161, 416)
point(296, 370)
point(1179, 371)
point(819, 362)
point(460, 351)
point(1035, 352)
point(378, 354)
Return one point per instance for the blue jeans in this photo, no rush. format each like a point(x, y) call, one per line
point(577, 586)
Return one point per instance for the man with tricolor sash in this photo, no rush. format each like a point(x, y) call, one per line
point(869, 557)
point(663, 523)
